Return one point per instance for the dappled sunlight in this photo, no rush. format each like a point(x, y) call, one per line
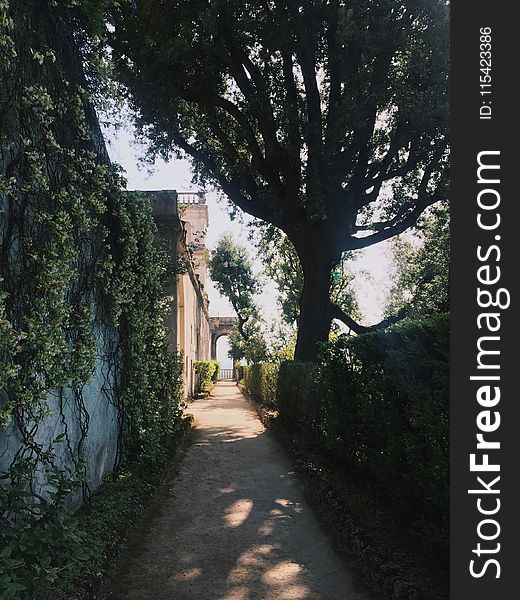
point(236, 526)
point(296, 506)
point(266, 529)
point(188, 575)
point(280, 578)
point(238, 593)
point(284, 571)
point(238, 512)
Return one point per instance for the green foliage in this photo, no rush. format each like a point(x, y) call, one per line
point(382, 412)
point(421, 279)
point(385, 409)
point(50, 556)
point(297, 393)
point(206, 375)
point(260, 381)
point(281, 263)
point(36, 545)
point(231, 271)
point(250, 341)
point(216, 371)
point(82, 284)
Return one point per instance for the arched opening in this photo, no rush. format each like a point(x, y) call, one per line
point(226, 364)
point(222, 352)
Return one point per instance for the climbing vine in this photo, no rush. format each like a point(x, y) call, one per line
point(81, 297)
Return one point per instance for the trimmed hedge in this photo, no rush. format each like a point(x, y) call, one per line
point(216, 372)
point(385, 410)
point(297, 392)
point(379, 403)
point(206, 375)
point(261, 382)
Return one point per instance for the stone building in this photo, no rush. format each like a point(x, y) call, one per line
point(182, 222)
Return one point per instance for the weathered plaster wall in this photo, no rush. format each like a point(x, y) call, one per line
point(98, 444)
point(90, 426)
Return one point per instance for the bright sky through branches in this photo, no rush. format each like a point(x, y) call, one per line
point(176, 174)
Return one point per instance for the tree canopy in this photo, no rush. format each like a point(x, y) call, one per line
point(232, 272)
point(325, 118)
point(421, 278)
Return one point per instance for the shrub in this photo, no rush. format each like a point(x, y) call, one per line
point(385, 410)
point(206, 375)
point(379, 403)
point(261, 381)
point(216, 372)
point(296, 394)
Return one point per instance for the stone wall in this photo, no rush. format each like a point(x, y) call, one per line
point(182, 222)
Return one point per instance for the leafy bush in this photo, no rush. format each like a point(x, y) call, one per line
point(206, 375)
point(297, 394)
point(261, 382)
point(216, 372)
point(379, 403)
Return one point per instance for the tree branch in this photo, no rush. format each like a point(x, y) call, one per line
point(293, 125)
point(389, 229)
point(307, 61)
point(339, 314)
point(232, 187)
point(257, 96)
point(354, 243)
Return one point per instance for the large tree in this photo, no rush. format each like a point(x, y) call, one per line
point(325, 118)
point(231, 270)
point(281, 263)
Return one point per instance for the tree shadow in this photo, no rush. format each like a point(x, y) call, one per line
point(234, 526)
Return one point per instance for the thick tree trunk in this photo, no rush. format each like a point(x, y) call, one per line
point(315, 307)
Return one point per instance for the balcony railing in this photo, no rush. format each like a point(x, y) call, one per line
point(190, 198)
point(228, 374)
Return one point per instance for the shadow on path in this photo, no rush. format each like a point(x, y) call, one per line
point(234, 525)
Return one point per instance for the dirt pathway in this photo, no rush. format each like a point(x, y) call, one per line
point(234, 525)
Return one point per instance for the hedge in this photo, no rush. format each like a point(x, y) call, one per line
point(261, 381)
point(379, 403)
point(385, 409)
point(297, 394)
point(206, 375)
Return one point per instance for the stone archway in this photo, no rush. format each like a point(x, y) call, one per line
point(220, 326)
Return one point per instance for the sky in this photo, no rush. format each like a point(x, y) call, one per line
point(372, 268)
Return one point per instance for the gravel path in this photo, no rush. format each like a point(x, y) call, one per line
point(234, 525)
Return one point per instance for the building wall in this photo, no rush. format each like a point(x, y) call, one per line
point(194, 337)
point(89, 426)
point(182, 222)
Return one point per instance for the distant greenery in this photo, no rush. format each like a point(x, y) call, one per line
point(421, 269)
point(232, 272)
point(206, 375)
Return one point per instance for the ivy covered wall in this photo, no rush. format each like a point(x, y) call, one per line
point(88, 385)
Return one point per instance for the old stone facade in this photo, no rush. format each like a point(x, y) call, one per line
point(182, 222)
